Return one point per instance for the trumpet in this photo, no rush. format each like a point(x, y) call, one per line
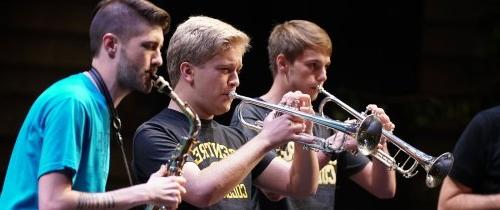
point(436, 167)
point(367, 133)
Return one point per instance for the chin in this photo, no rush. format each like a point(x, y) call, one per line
point(314, 96)
point(145, 89)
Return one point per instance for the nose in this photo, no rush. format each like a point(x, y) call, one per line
point(234, 80)
point(322, 75)
point(157, 58)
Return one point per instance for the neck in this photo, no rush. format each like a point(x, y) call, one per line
point(184, 96)
point(109, 76)
point(278, 89)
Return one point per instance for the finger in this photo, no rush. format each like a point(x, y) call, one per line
point(293, 118)
point(297, 127)
point(304, 139)
point(305, 99)
point(179, 179)
point(306, 109)
point(183, 190)
point(161, 172)
point(371, 107)
point(285, 97)
point(270, 116)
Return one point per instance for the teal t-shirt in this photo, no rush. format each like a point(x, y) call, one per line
point(66, 130)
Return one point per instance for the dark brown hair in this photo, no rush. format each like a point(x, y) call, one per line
point(121, 17)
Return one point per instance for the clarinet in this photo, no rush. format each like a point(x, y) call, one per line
point(176, 162)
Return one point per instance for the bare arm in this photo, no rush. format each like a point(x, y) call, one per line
point(55, 192)
point(208, 186)
point(301, 177)
point(377, 179)
point(298, 179)
point(455, 195)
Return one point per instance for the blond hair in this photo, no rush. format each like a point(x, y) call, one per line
point(200, 38)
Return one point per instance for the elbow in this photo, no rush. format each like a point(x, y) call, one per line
point(387, 194)
point(51, 205)
point(203, 199)
point(443, 205)
point(302, 193)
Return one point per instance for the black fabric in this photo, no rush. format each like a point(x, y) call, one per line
point(156, 139)
point(346, 164)
point(477, 154)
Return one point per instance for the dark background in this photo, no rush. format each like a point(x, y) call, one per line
point(431, 64)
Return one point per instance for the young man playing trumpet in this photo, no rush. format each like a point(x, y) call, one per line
point(299, 54)
point(204, 59)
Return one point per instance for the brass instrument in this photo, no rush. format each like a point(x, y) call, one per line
point(436, 167)
point(367, 133)
point(176, 162)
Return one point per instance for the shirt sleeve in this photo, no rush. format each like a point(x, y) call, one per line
point(351, 164)
point(470, 154)
point(153, 146)
point(63, 125)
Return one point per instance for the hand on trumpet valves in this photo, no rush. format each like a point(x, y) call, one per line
point(165, 191)
point(384, 118)
point(279, 130)
point(300, 102)
point(342, 141)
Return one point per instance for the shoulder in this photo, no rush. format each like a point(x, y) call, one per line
point(231, 132)
point(487, 120)
point(165, 121)
point(76, 87)
point(491, 115)
point(73, 92)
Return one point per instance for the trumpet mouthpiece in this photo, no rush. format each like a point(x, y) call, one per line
point(153, 75)
point(232, 94)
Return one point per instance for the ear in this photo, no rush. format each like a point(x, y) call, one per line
point(281, 64)
point(187, 72)
point(110, 44)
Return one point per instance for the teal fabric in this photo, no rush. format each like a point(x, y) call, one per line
point(66, 131)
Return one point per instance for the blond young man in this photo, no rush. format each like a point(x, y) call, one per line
point(204, 59)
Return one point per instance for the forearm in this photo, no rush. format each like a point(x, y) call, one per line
point(119, 199)
point(467, 201)
point(305, 172)
point(383, 179)
point(323, 159)
point(211, 184)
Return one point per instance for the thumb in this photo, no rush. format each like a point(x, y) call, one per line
point(270, 116)
point(161, 172)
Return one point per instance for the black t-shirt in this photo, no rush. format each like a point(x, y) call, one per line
point(346, 163)
point(156, 139)
point(477, 154)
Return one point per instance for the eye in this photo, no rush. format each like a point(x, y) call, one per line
point(313, 66)
point(150, 45)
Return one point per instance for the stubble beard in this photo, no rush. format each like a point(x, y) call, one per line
point(129, 76)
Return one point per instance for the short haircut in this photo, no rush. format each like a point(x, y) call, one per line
point(121, 17)
point(291, 38)
point(199, 39)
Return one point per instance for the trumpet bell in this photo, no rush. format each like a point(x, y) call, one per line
point(368, 135)
point(439, 168)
